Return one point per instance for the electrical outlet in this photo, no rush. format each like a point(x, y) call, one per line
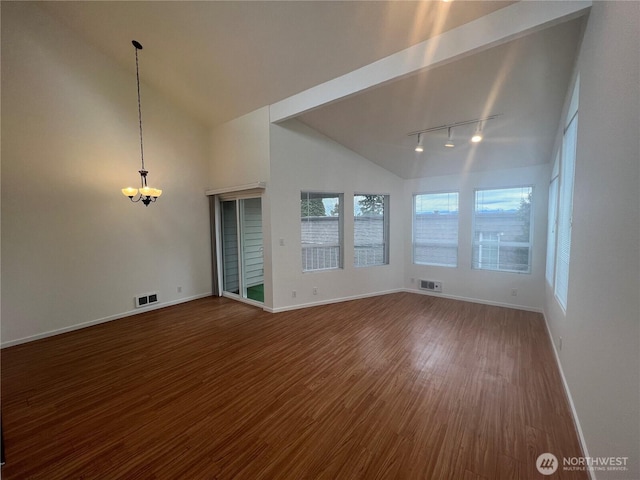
point(179, 289)
point(315, 290)
point(293, 294)
point(282, 242)
point(514, 292)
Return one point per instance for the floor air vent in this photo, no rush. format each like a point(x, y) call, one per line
point(146, 299)
point(431, 285)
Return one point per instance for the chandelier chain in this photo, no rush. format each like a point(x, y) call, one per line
point(145, 193)
point(139, 110)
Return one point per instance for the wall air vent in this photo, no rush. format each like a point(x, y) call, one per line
point(431, 285)
point(146, 299)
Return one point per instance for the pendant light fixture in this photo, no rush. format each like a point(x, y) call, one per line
point(145, 193)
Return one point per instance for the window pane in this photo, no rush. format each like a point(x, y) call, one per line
point(565, 211)
point(552, 223)
point(502, 230)
point(321, 230)
point(370, 230)
point(435, 229)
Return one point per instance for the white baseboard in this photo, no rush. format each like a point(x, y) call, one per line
point(330, 301)
point(574, 413)
point(90, 323)
point(475, 300)
point(397, 290)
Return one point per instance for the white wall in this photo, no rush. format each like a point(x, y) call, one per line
point(482, 285)
point(304, 160)
point(74, 249)
point(240, 156)
point(301, 159)
point(240, 151)
point(600, 355)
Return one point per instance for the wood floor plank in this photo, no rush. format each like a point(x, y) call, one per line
point(399, 386)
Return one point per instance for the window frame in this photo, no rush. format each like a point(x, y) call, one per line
point(552, 230)
point(565, 215)
point(564, 176)
point(529, 245)
point(413, 229)
point(340, 245)
point(385, 230)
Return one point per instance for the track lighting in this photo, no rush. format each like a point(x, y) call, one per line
point(477, 136)
point(449, 143)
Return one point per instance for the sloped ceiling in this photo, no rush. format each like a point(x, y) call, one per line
point(524, 81)
point(220, 60)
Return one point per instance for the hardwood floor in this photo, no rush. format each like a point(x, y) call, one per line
point(400, 386)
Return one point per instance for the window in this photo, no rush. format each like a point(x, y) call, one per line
point(370, 230)
point(502, 230)
point(435, 229)
point(565, 211)
point(561, 209)
point(321, 228)
point(552, 225)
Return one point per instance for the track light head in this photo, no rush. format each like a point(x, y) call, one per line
point(420, 147)
point(477, 137)
point(449, 143)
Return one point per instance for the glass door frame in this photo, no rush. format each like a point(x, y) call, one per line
point(242, 287)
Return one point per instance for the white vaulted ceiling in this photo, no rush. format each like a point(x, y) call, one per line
point(524, 81)
point(220, 60)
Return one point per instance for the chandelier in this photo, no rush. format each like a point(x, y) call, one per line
point(145, 193)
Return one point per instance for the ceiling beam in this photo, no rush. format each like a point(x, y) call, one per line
point(499, 27)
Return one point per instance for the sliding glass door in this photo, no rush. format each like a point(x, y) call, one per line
point(242, 248)
point(230, 251)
